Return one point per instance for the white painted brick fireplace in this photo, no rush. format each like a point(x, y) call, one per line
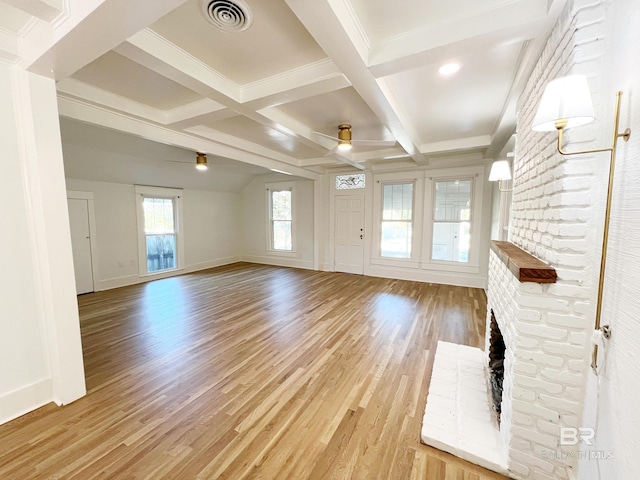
point(544, 372)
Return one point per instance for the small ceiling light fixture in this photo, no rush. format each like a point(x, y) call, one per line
point(566, 103)
point(449, 68)
point(500, 171)
point(201, 161)
point(344, 137)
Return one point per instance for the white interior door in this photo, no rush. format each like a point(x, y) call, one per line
point(349, 233)
point(81, 244)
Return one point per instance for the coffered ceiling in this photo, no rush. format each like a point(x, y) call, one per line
point(270, 95)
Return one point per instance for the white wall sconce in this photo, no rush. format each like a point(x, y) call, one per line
point(566, 103)
point(500, 171)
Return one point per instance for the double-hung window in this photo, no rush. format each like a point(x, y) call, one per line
point(158, 224)
point(452, 207)
point(396, 228)
point(281, 228)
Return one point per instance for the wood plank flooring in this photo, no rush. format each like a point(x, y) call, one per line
point(252, 371)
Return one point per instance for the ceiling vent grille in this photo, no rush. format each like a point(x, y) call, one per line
point(226, 15)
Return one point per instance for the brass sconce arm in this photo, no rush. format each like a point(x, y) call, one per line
point(560, 124)
point(625, 135)
point(503, 189)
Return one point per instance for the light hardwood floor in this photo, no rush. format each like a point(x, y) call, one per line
point(251, 371)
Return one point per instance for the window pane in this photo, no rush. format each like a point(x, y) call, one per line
point(161, 252)
point(451, 241)
point(281, 205)
point(395, 239)
point(282, 235)
point(452, 200)
point(158, 215)
point(397, 202)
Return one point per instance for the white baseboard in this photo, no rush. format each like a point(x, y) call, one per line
point(118, 282)
point(24, 400)
point(429, 276)
point(279, 261)
point(417, 275)
point(196, 267)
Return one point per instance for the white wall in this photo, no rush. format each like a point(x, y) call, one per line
point(211, 230)
point(617, 405)
point(254, 217)
point(40, 349)
point(23, 353)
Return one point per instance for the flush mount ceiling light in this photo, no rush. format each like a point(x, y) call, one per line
point(344, 137)
point(201, 161)
point(449, 68)
point(566, 103)
point(227, 15)
point(500, 171)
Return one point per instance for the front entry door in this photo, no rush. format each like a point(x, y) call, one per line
point(349, 234)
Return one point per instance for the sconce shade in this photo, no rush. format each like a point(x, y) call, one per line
point(565, 99)
point(500, 171)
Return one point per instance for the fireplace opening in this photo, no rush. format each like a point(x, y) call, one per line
point(496, 364)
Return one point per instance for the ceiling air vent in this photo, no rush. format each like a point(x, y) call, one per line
point(226, 15)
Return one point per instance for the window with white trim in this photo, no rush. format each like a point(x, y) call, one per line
point(396, 227)
point(159, 242)
point(452, 207)
point(281, 226)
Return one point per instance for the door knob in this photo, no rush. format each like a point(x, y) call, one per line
point(361, 237)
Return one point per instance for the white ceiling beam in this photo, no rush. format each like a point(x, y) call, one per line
point(159, 55)
point(46, 10)
point(76, 89)
point(302, 82)
point(518, 20)
point(204, 119)
point(240, 144)
point(60, 50)
point(324, 24)
point(155, 52)
point(457, 145)
point(298, 128)
point(181, 117)
point(198, 108)
point(96, 115)
point(331, 161)
point(9, 47)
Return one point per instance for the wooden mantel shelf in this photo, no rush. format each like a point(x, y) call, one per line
point(523, 265)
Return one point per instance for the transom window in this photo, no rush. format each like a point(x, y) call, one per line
point(350, 182)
